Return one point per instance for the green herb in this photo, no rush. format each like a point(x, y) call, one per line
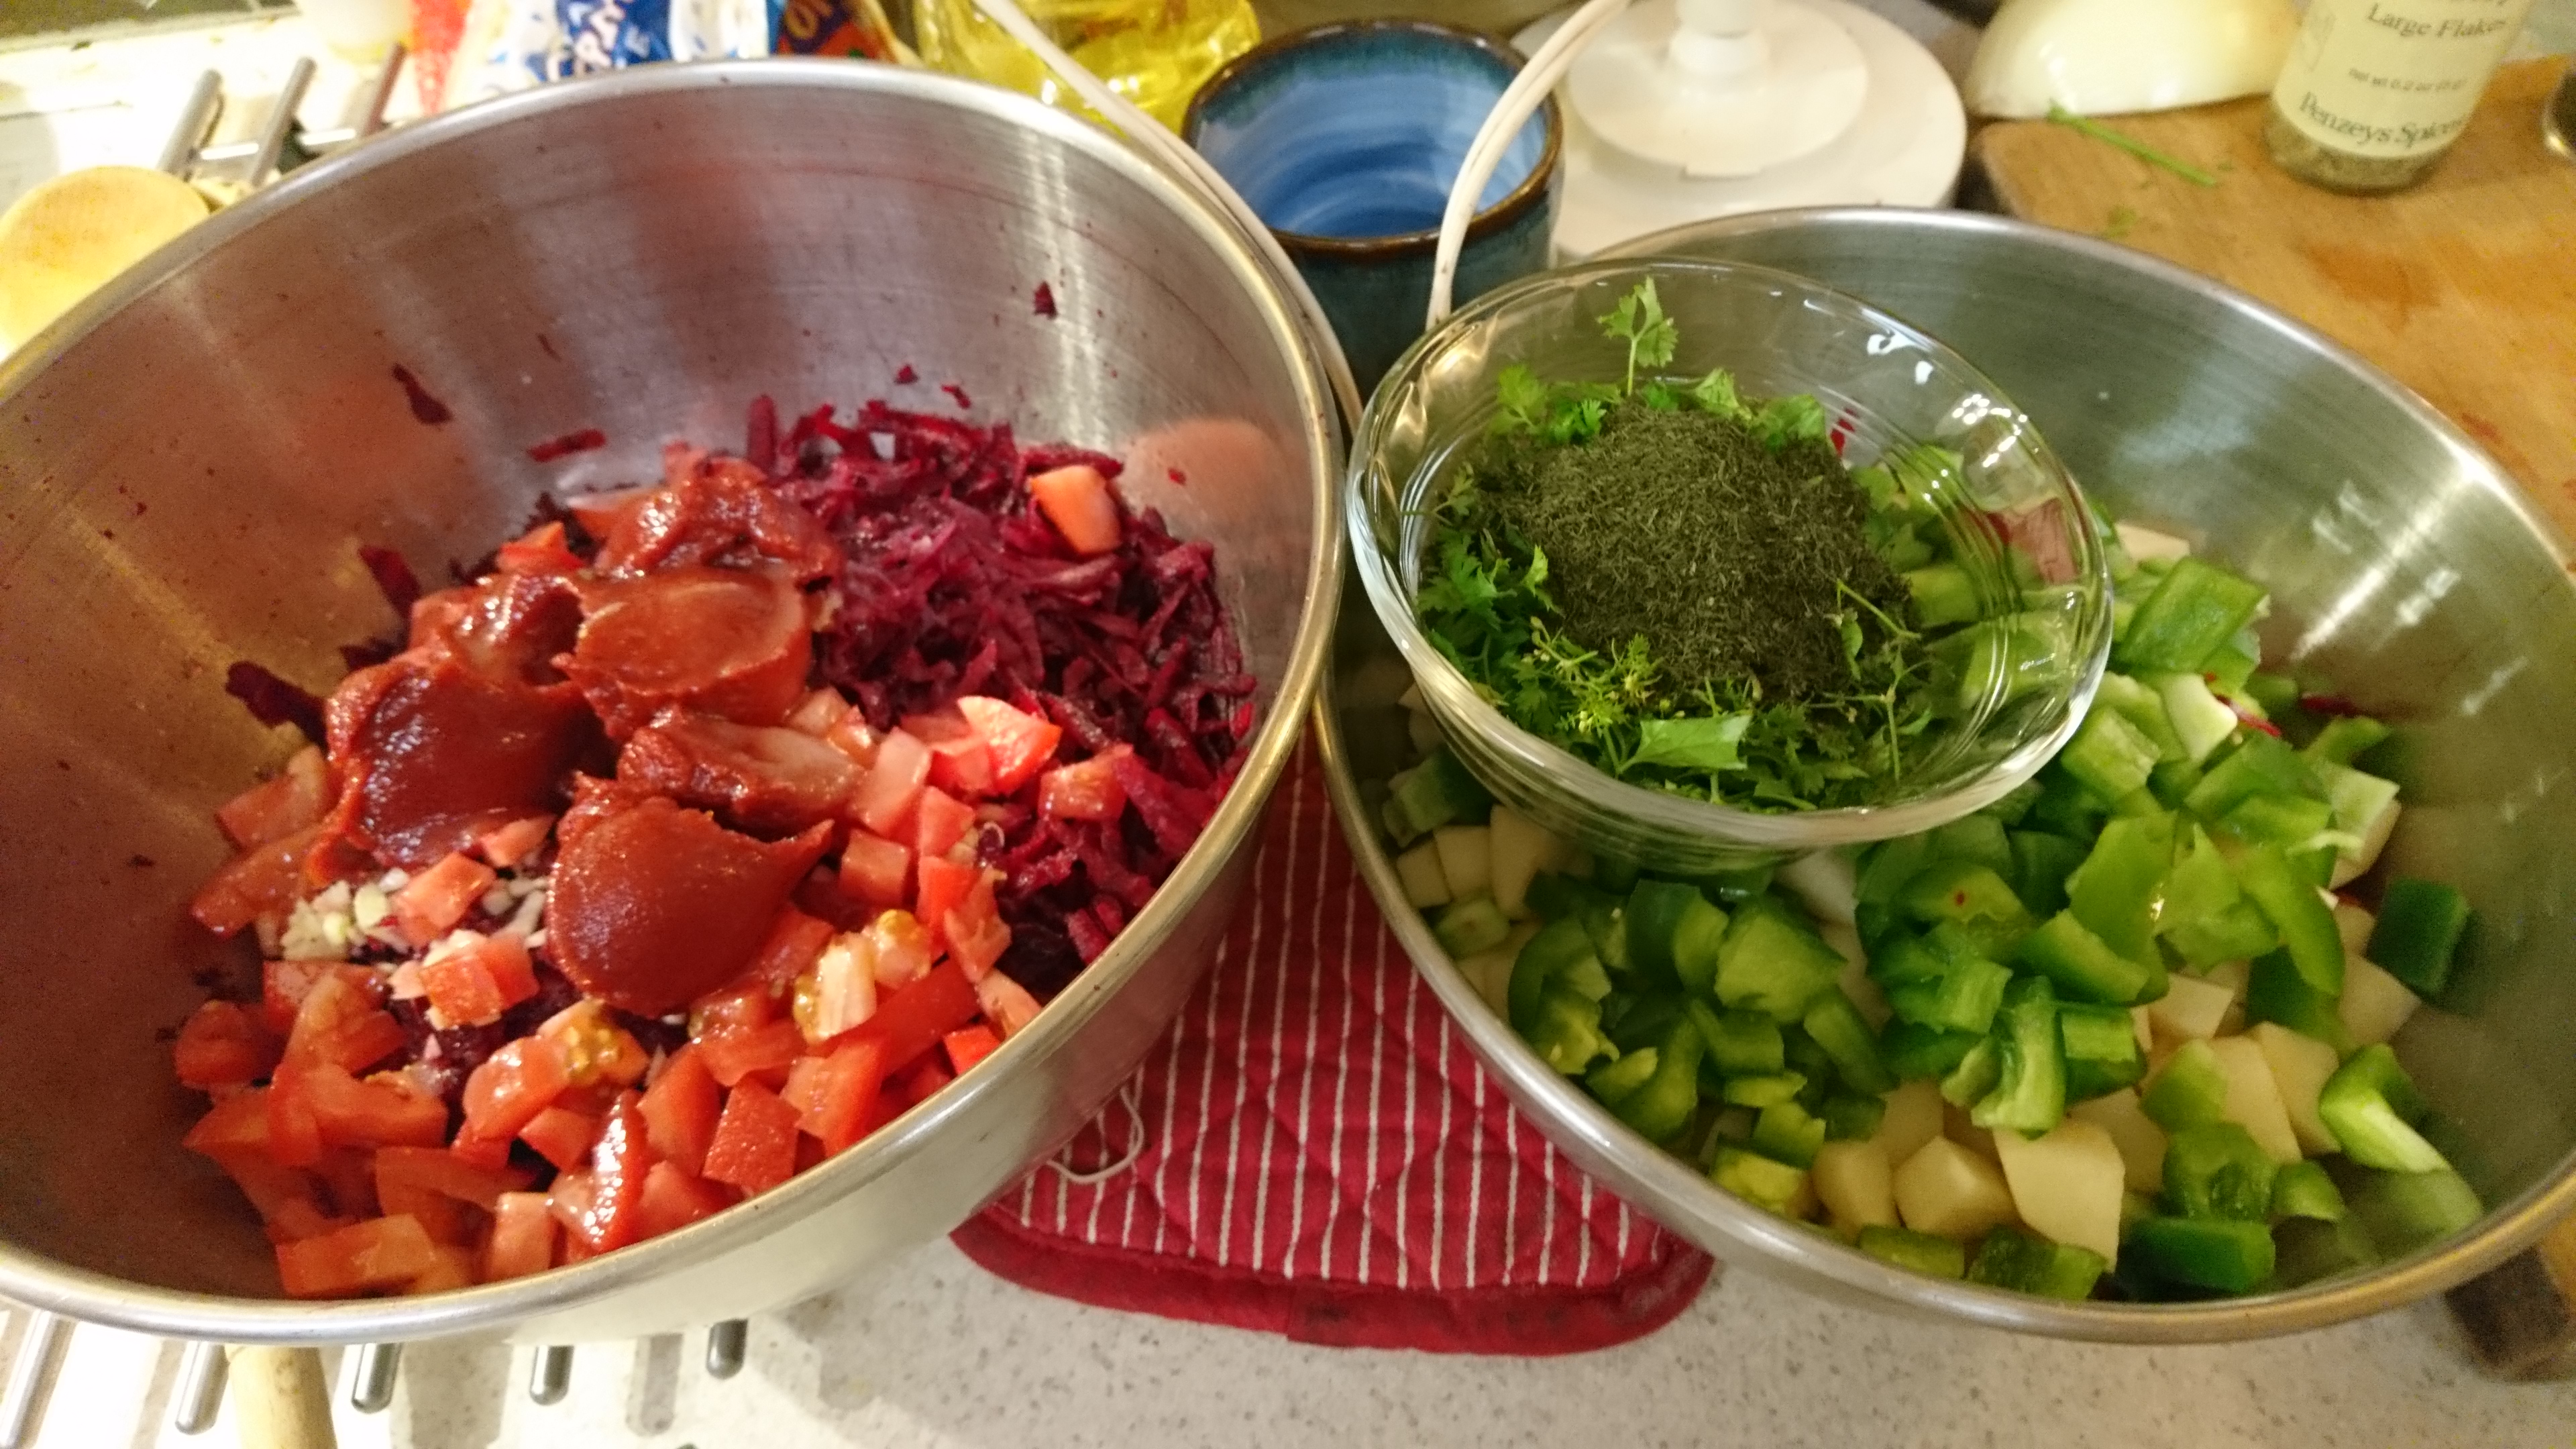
point(1687, 588)
point(2085, 125)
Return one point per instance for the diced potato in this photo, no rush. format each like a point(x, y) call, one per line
point(1518, 851)
point(1827, 883)
point(1960, 1128)
point(1856, 1183)
point(1855, 982)
point(1913, 1118)
point(1490, 972)
point(1425, 885)
point(1466, 859)
point(2253, 1101)
point(2191, 1007)
point(2300, 1066)
point(2067, 1184)
point(1423, 733)
point(2143, 1022)
point(2353, 865)
point(2232, 975)
point(2148, 545)
point(1946, 1189)
point(2140, 1140)
point(2375, 1004)
point(2353, 923)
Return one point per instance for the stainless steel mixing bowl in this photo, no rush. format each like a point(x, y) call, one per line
point(189, 463)
point(2404, 567)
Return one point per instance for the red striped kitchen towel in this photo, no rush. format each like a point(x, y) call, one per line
point(1313, 1151)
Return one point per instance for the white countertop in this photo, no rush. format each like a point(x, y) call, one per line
point(935, 1353)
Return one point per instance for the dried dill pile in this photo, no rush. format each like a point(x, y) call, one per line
point(1685, 589)
point(1733, 559)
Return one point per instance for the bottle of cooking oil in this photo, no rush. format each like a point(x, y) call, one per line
point(2376, 90)
point(1155, 53)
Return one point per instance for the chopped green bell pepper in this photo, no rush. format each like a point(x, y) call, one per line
point(1559, 953)
point(1887, 866)
point(2371, 1106)
point(1974, 898)
point(2403, 1211)
point(2101, 1047)
point(1785, 1132)
point(1434, 793)
point(2420, 926)
point(2311, 1250)
point(1838, 1027)
point(1853, 1117)
point(1740, 1043)
point(2302, 1190)
point(2222, 1253)
point(1663, 1104)
point(2195, 610)
point(1565, 1030)
point(2081, 965)
point(1962, 999)
point(2116, 890)
point(2289, 822)
point(2216, 1170)
point(2276, 992)
point(2144, 709)
point(2345, 739)
point(1922, 1252)
point(2042, 861)
point(1976, 1074)
point(2110, 756)
point(1913, 1051)
point(1775, 1186)
point(2305, 921)
point(2259, 765)
point(1616, 1080)
point(2030, 1090)
point(1771, 962)
point(2028, 1263)
point(1468, 927)
point(1673, 934)
point(1977, 839)
point(1765, 1091)
point(2189, 1091)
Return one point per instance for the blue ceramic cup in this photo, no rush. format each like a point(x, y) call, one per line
point(1345, 140)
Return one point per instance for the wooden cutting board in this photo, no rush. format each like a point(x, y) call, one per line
point(2463, 288)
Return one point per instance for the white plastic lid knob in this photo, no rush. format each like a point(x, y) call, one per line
point(1719, 87)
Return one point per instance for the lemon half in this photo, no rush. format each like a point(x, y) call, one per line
point(66, 238)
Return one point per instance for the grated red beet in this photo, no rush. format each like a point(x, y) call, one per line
point(393, 575)
point(273, 701)
point(580, 441)
point(954, 585)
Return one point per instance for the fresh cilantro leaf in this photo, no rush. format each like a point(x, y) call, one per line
point(1661, 397)
point(1640, 319)
point(1715, 393)
point(1524, 400)
point(1574, 419)
point(1700, 742)
point(1785, 418)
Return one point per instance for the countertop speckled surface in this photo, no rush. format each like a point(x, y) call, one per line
point(936, 1354)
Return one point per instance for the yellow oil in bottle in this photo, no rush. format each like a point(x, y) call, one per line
point(1155, 53)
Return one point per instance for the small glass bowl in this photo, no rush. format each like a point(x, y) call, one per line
point(1887, 386)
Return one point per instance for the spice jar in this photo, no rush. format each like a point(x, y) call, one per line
point(2376, 90)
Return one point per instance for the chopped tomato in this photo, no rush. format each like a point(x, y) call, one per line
point(902, 949)
point(431, 1169)
point(919, 1084)
point(294, 1133)
point(674, 1198)
point(512, 1086)
point(349, 1175)
point(875, 871)
point(843, 1095)
point(755, 1142)
point(902, 767)
point(569, 1200)
point(288, 1199)
point(741, 1007)
point(791, 948)
point(1077, 500)
point(910, 1022)
point(595, 1049)
point(264, 880)
point(360, 1258)
point(765, 1052)
point(618, 1162)
point(285, 984)
point(431, 903)
point(944, 887)
point(383, 1111)
point(542, 551)
point(561, 1136)
point(820, 710)
point(1007, 1004)
point(451, 1267)
point(515, 841)
point(600, 513)
point(338, 1022)
point(799, 1089)
point(939, 822)
point(236, 1125)
point(969, 1045)
point(974, 930)
point(845, 986)
point(854, 737)
point(472, 984)
point(1019, 743)
point(440, 1216)
point(222, 1044)
point(959, 761)
point(274, 809)
point(680, 1110)
point(1085, 790)
point(523, 1237)
point(487, 1154)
